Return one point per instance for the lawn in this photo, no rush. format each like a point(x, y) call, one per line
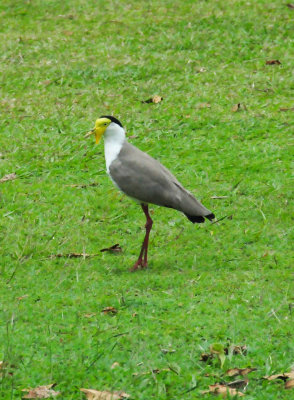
point(63, 64)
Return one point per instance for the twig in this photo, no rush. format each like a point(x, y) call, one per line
point(217, 221)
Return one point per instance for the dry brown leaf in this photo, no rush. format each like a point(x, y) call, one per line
point(73, 255)
point(199, 70)
point(236, 349)
point(115, 365)
point(69, 16)
point(154, 99)
point(92, 394)
point(113, 249)
point(22, 297)
point(1, 365)
point(8, 177)
point(40, 392)
point(236, 107)
point(157, 99)
point(238, 384)
point(89, 315)
point(233, 349)
point(109, 310)
point(239, 371)
point(273, 62)
point(206, 357)
point(223, 390)
point(167, 351)
point(289, 384)
point(155, 371)
point(290, 5)
point(283, 376)
point(287, 109)
point(68, 33)
point(46, 82)
point(204, 105)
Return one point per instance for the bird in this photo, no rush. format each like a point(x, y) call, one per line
point(143, 179)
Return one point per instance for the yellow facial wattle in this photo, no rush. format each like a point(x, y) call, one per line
point(100, 127)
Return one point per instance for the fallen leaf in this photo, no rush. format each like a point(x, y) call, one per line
point(223, 390)
point(155, 371)
point(289, 5)
point(22, 297)
point(73, 255)
point(213, 375)
point(219, 197)
point(166, 351)
point(115, 365)
point(199, 70)
point(40, 392)
point(69, 16)
point(109, 310)
point(239, 371)
point(113, 249)
point(287, 109)
point(283, 376)
point(8, 177)
point(238, 384)
point(273, 62)
point(155, 99)
point(206, 357)
point(133, 137)
point(289, 384)
point(220, 351)
point(1, 365)
point(68, 33)
point(204, 105)
point(89, 315)
point(236, 107)
point(92, 394)
point(236, 349)
point(46, 82)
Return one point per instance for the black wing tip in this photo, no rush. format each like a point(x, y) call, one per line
point(195, 218)
point(199, 219)
point(210, 216)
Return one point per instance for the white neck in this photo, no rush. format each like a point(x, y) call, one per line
point(114, 138)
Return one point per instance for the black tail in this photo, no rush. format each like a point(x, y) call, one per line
point(199, 219)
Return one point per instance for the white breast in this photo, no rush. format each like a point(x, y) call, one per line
point(114, 138)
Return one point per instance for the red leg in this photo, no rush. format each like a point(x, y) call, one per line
point(148, 227)
point(144, 249)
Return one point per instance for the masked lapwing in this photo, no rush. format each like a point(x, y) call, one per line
point(143, 179)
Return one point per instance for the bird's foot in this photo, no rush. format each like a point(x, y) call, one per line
point(140, 264)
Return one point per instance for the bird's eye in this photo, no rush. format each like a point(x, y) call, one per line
point(105, 124)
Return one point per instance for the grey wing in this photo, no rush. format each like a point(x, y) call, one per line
point(142, 177)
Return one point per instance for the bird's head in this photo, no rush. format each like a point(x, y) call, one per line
point(101, 126)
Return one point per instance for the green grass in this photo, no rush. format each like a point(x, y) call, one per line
point(63, 64)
